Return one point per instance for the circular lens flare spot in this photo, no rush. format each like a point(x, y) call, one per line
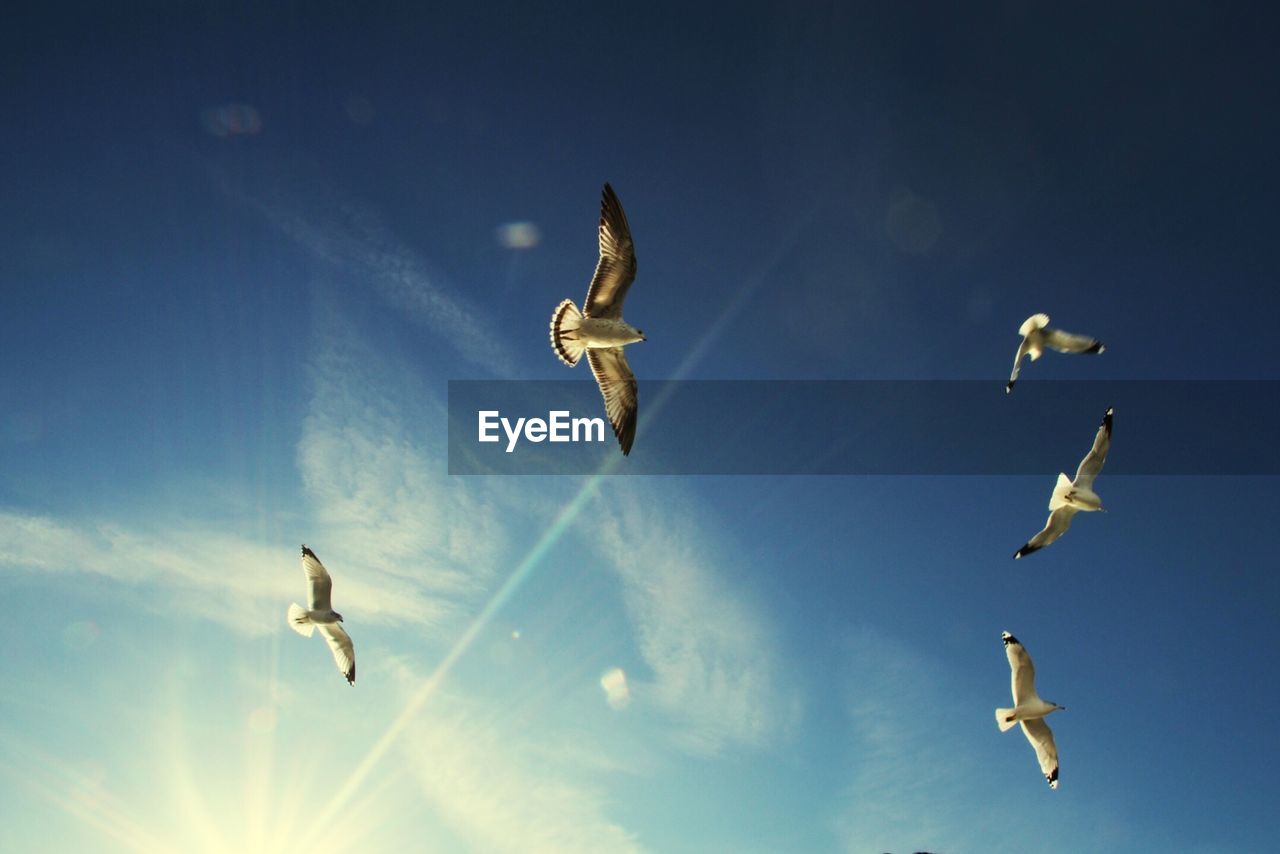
point(616, 692)
point(231, 120)
point(519, 235)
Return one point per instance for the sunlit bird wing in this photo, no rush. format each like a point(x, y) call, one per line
point(1091, 465)
point(1041, 738)
point(1023, 348)
point(320, 585)
point(1057, 525)
point(616, 269)
point(1068, 342)
point(618, 386)
point(1021, 671)
point(344, 652)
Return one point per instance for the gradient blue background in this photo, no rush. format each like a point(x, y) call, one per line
point(215, 346)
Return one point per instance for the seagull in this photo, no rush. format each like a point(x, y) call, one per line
point(321, 615)
point(1029, 710)
point(1071, 496)
point(599, 330)
point(1036, 335)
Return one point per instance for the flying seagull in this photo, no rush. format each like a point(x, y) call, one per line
point(1029, 710)
point(1036, 335)
point(599, 330)
point(1072, 496)
point(320, 614)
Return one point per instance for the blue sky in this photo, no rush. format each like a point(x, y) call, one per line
point(246, 251)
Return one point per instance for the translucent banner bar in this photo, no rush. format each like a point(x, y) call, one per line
point(889, 427)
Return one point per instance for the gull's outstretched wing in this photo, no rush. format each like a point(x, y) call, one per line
point(344, 652)
point(1017, 364)
point(1092, 462)
point(1067, 342)
point(1032, 344)
point(616, 269)
point(1041, 738)
point(1059, 521)
point(321, 585)
point(1022, 672)
point(618, 386)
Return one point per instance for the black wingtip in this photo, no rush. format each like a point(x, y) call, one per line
point(1025, 550)
point(351, 676)
point(1008, 639)
point(306, 552)
point(1097, 347)
point(1106, 419)
point(1009, 386)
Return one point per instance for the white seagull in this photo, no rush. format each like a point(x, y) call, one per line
point(1072, 496)
point(1029, 710)
point(599, 330)
point(1036, 335)
point(320, 614)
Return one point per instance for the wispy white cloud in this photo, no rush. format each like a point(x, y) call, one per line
point(711, 650)
point(405, 543)
point(353, 239)
point(371, 459)
point(907, 769)
point(499, 790)
point(239, 583)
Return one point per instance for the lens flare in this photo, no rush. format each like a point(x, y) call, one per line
point(518, 235)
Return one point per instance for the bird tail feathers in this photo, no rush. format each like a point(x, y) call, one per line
point(299, 621)
point(1060, 492)
point(1035, 321)
point(1004, 719)
point(565, 339)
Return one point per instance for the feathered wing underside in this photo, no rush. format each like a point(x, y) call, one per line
point(1059, 522)
point(618, 386)
point(320, 585)
point(1041, 738)
point(344, 653)
point(1023, 348)
point(1068, 342)
point(1092, 463)
point(1021, 671)
point(616, 269)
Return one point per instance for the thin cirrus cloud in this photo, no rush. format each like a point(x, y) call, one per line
point(355, 243)
point(405, 544)
point(367, 456)
point(500, 793)
point(715, 670)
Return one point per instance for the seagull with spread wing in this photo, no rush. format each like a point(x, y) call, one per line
point(599, 330)
point(1029, 710)
point(1071, 496)
point(1036, 335)
point(320, 614)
